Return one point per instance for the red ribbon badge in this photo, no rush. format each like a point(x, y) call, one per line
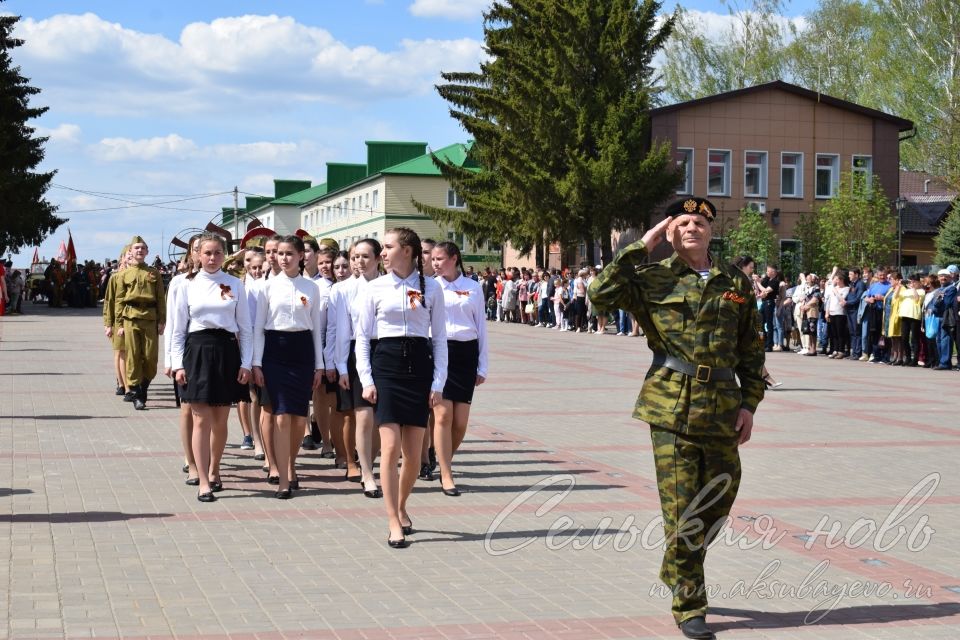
point(225, 292)
point(303, 300)
point(462, 293)
point(415, 296)
point(731, 295)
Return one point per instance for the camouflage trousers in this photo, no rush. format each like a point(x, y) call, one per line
point(698, 480)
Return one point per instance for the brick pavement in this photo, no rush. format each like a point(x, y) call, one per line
point(103, 539)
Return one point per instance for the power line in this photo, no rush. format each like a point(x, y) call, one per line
point(137, 195)
point(133, 204)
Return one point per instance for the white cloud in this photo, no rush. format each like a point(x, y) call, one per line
point(450, 9)
point(717, 25)
point(65, 133)
point(97, 66)
point(121, 149)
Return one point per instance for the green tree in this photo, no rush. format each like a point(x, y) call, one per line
point(948, 240)
point(754, 237)
point(751, 50)
point(856, 226)
point(560, 120)
point(810, 258)
point(27, 218)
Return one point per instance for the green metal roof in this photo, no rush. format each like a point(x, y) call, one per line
point(283, 188)
point(302, 197)
point(456, 153)
point(381, 154)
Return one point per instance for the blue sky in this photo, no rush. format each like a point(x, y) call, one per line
point(187, 98)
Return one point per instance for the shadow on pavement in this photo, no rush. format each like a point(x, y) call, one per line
point(527, 534)
point(420, 487)
point(60, 417)
point(73, 517)
point(36, 373)
point(4, 492)
point(866, 614)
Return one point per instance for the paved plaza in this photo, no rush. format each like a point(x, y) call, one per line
point(555, 535)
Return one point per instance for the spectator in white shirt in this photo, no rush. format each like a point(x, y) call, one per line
point(467, 356)
point(211, 356)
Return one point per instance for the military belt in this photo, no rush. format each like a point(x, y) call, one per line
point(138, 305)
point(700, 372)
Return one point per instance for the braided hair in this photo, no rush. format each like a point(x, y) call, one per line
point(407, 237)
point(451, 249)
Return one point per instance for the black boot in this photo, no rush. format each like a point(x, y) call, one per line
point(696, 628)
point(130, 396)
point(140, 402)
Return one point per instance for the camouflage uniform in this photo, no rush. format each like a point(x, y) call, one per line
point(709, 322)
point(141, 308)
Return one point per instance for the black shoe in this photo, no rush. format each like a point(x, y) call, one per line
point(273, 479)
point(376, 493)
point(308, 443)
point(696, 628)
point(432, 456)
point(453, 493)
point(186, 468)
point(129, 396)
point(426, 473)
point(139, 404)
point(407, 528)
point(397, 544)
point(357, 478)
point(206, 497)
point(295, 485)
point(121, 391)
point(259, 456)
point(283, 495)
point(216, 487)
point(192, 482)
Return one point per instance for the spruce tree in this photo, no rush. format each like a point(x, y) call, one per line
point(26, 218)
point(948, 240)
point(560, 120)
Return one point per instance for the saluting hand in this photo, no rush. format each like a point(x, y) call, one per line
point(654, 236)
point(370, 394)
point(243, 377)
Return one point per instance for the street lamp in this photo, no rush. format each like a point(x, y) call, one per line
point(899, 204)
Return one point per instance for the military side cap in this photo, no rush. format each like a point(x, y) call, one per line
point(137, 239)
point(329, 242)
point(692, 206)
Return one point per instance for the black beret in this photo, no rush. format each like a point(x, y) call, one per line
point(691, 205)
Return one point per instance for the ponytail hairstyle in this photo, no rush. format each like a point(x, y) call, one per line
point(206, 237)
point(297, 244)
point(375, 247)
point(452, 250)
point(407, 237)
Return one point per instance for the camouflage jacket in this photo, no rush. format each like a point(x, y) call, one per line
point(705, 322)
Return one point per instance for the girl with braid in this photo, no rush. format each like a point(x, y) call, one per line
point(402, 375)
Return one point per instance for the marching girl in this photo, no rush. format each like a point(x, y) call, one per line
point(112, 331)
point(467, 352)
point(401, 375)
point(188, 265)
point(365, 259)
point(341, 422)
point(325, 398)
point(288, 355)
point(211, 354)
point(271, 268)
point(248, 409)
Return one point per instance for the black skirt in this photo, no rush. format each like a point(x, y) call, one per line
point(211, 360)
point(464, 358)
point(288, 367)
point(403, 374)
point(352, 398)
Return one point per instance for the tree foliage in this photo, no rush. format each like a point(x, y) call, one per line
point(27, 218)
point(948, 240)
point(753, 236)
point(856, 227)
point(560, 121)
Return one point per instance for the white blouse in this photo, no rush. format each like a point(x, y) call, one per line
point(466, 314)
point(172, 289)
point(289, 304)
point(347, 319)
point(391, 307)
point(211, 301)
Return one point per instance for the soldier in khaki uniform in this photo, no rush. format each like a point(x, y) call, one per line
point(112, 323)
point(699, 396)
point(140, 305)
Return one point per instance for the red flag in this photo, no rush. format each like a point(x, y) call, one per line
point(71, 251)
point(62, 253)
point(36, 256)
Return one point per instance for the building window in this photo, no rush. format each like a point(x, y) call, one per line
point(374, 235)
point(368, 201)
point(828, 174)
point(455, 200)
point(862, 169)
point(755, 174)
point(376, 199)
point(718, 172)
point(685, 163)
point(791, 175)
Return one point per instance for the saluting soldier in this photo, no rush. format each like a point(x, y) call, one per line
point(141, 304)
point(703, 387)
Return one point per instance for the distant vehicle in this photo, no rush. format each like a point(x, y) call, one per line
point(34, 286)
